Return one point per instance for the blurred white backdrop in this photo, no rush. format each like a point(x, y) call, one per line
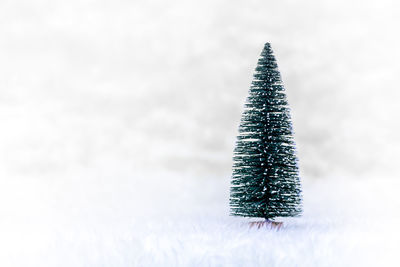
point(160, 85)
point(105, 104)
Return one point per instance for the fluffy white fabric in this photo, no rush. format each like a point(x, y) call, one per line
point(185, 223)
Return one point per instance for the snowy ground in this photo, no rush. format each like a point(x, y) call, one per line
point(145, 223)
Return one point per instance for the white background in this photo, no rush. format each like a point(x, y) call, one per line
point(116, 113)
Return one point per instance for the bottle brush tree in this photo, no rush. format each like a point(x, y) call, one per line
point(265, 180)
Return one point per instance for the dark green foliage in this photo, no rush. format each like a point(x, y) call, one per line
point(265, 179)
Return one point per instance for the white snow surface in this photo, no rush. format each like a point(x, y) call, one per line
point(142, 222)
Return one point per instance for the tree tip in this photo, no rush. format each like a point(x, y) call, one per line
point(267, 45)
point(267, 49)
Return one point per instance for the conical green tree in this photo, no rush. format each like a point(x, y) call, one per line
point(265, 179)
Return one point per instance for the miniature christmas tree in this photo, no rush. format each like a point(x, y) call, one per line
point(265, 179)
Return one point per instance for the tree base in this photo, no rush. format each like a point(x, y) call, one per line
point(267, 223)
